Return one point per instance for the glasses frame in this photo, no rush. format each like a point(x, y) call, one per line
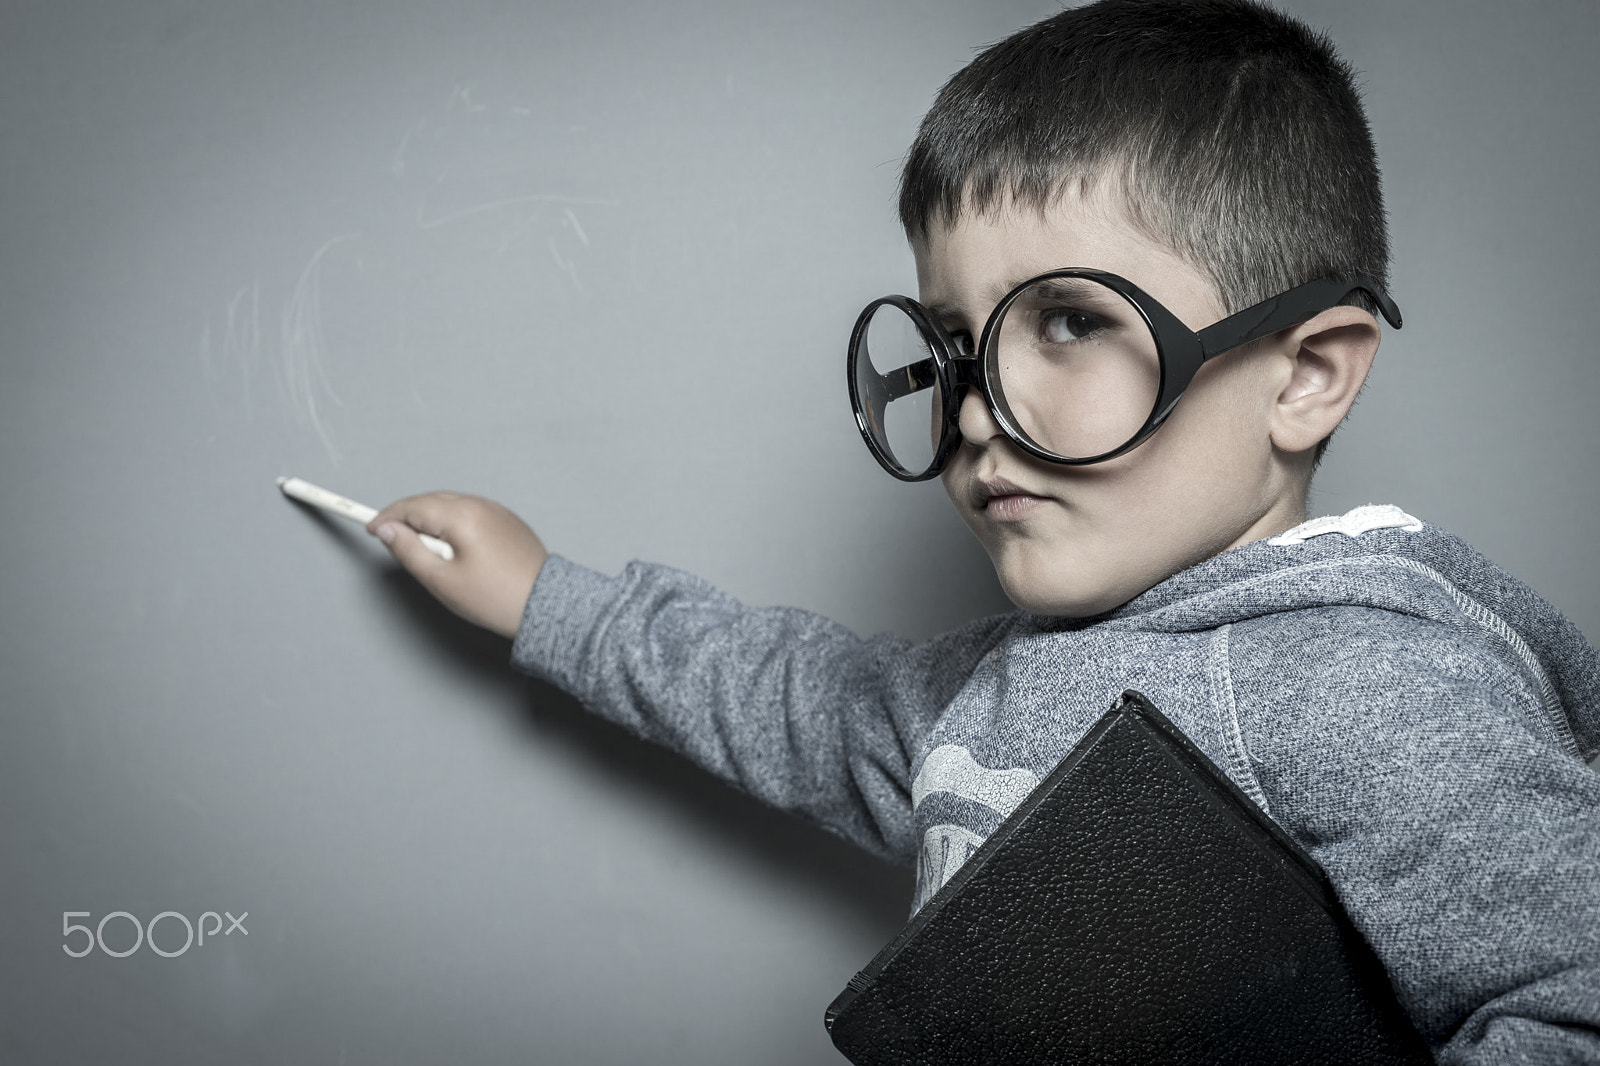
point(1181, 352)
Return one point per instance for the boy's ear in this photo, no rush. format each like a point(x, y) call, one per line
point(1329, 356)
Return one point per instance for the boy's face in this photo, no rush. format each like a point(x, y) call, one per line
point(1079, 540)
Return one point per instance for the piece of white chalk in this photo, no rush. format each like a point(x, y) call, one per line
point(317, 496)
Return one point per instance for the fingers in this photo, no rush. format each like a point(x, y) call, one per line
point(497, 557)
point(433, 513)
point(398, 524)
point(407, 548)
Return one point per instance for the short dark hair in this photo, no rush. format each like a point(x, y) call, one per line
point(1236, 134)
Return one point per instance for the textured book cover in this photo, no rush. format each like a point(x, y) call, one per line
point(1136, 908)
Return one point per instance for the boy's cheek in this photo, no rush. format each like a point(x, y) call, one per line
point(1116, 538)
point(1062, 578)
point(1046, 566)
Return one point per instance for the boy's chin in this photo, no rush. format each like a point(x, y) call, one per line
point(1049, 592)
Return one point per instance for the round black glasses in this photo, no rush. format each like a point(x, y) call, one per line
point(1077, 366)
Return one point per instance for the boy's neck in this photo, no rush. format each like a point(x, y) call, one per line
point(1289, 511)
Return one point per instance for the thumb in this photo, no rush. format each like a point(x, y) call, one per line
point(407, 547)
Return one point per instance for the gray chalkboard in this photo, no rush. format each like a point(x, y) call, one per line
point(597, 261)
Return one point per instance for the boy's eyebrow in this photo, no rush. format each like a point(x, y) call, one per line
point(945, 310)
point(1070, 289)
point(948, 309)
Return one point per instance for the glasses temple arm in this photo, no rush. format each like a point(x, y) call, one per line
point(1290, 309)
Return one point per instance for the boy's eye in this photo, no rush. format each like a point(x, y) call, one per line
point(1066, 324)
point(964, 342)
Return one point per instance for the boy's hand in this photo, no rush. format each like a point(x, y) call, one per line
point(497, 555)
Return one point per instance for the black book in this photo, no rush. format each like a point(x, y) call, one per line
point(1137, 907)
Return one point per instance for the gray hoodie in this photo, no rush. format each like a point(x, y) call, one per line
point(1412, 715)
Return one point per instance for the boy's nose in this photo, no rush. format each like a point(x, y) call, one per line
point(974, 419)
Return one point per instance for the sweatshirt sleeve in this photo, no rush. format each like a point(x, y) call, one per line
point(1463, 841)
point(782, 703)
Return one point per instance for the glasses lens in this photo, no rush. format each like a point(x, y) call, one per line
point(1074, 367)
point(897, 389)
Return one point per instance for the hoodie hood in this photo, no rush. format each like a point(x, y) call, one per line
point(1378, 556)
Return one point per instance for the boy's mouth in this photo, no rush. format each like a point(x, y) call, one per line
point(998, 498)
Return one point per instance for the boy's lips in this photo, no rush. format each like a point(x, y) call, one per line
point(997, 497)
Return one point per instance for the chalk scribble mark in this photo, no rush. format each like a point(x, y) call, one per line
point(302, 346)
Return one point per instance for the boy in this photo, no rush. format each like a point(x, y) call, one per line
point(1087, 201)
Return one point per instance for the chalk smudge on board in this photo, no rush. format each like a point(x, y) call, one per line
point(304, 377)
point(241, 343)
point(465, 188)
point(240, 347)
point(398, 167)
point(571, 219)
point(565, 265)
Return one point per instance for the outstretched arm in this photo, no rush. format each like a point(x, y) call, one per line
point(783, 703)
